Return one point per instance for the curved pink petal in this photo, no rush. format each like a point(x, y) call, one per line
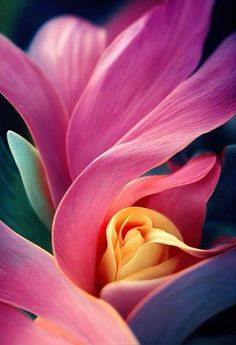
point(30, 279)
point(203, 102)
point(186, 205)
point(67, 49)
point(184, 192)
point(127, 15)
point(33, 96)
point(188, 298)
point(140, 68)
point(17, 329)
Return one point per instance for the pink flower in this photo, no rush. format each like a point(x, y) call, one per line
point(101, 118)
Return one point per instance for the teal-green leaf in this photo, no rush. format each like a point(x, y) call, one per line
point(15, 208)
point(30, 166)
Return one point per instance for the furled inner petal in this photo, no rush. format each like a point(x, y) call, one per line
point(157, 271)
point(138, 241)
point(144, 244)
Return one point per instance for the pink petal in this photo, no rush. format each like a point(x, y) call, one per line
point(186, 301)
point(160, 191)
point(127, 15)
point(31, 280)
point(140, 68)
point(31, 94)
point(67, 49)
point(198, 105)
point(185, 205)
point(17, 329)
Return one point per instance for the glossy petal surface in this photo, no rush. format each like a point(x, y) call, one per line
point(128, 14)
point(135, 78)
point(29, 91)
point(178, 192)
point(67, 49)
point(186, 205)
point(48, 293)
point(17, 329)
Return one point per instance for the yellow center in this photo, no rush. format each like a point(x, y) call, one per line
point(138, 242)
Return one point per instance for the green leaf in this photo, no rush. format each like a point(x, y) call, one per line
point(30, 166)
point(15, 208)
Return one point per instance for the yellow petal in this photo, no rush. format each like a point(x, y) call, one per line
point(163, 269)
point(147, 255)
point(137, 241)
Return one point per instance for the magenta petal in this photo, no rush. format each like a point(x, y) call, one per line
point(67, 49)
point(186, 205)
point(203, 102)
point(33, 96)
point(17, 329)
point(140, 68)
point(127, 15)
point(31, 280)
point(193, 171)
point(177, 308)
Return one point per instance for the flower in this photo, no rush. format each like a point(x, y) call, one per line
point(129, 239)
